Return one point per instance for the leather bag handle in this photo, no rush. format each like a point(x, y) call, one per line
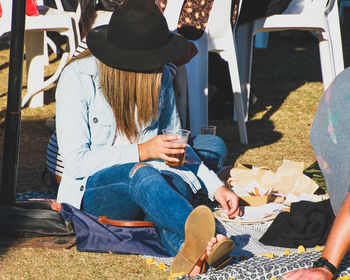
point(118, 223)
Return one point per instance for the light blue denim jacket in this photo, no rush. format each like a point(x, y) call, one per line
point(86, 130)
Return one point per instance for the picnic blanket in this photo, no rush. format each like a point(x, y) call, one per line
point(253, 260)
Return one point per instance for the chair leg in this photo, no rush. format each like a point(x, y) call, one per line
point(244, 45)
point(35, 61)
point(327, 62)
point(237, 95)
point(335, 38)
point(197, 70)
point(36, 57)
point(53, 46)
point(240, 118)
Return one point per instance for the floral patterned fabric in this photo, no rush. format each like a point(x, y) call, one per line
point(194, 16)
point(330, 138)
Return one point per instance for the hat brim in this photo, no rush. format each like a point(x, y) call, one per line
point(97, 42)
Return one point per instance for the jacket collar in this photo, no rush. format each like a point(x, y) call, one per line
point(88, 66)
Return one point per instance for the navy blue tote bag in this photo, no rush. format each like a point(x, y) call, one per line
point(94, 236)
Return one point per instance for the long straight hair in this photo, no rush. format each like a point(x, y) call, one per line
point(133, 97)
point(88, 16)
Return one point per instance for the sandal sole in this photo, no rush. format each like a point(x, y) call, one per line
point(221, 254)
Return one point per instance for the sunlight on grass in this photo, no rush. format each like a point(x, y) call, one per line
point(293, 121)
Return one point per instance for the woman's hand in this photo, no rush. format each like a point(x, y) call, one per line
point(319, 273)
point(161, 147)
point(228, 201)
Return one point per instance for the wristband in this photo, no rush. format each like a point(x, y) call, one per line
point(323, 262)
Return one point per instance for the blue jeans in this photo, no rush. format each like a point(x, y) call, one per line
point(138, 191)
point(211, 149)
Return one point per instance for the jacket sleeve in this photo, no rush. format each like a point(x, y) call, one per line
point(208, 177)
point(169, 117)
point(73, 96)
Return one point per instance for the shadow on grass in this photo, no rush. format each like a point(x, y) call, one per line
point(290, 61)
point(4, 65)
point(49, 97)
point(260, 133)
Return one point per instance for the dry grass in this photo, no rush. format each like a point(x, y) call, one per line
point(27, 264)
point(287, 82)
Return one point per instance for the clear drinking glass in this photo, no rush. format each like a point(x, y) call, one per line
point(183, 135)
point(208, 129)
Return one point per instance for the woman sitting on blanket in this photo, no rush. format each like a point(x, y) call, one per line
point(110, 109)
point(330, 139)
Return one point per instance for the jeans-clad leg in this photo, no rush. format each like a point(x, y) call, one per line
point(211, 149)
point(165, 199)
point(125, 191)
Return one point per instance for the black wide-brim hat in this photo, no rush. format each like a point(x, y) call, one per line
point(137, 38)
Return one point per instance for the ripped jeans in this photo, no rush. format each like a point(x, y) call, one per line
point(135, 191)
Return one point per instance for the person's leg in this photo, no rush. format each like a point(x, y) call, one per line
point(126, 191)
point(178, 184)
point(211, 149)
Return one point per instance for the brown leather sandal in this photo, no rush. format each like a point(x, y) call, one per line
point(220, 256)
point(199, 229)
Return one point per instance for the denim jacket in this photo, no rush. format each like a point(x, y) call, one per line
point(86, 131)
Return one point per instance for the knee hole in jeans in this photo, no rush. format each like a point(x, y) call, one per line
point(137, 166)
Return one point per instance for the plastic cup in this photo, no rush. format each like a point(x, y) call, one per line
point(208, 129)
point(183, 138)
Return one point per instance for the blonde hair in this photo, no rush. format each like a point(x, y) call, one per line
point(133, 97)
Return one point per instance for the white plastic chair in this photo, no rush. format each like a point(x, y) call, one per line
point(218, 37)
point(320, 16)
point(102, 18)
point(5, 19)
point(66, 23)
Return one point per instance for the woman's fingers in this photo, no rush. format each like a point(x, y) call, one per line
point(233, 206)
point(169, 149)
point(160, 147)
point(163, 147)
point(169, 158)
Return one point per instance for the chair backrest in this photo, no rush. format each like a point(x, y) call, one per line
point(77, 13)
point(59, 5)
point(220, 17)
point(102, 18)
point(220, 27)
point(5, 19)
point(172, 13)
point(308, 6)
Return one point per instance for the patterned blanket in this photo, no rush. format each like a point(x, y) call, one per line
point(251, 259)
point(254, 261)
